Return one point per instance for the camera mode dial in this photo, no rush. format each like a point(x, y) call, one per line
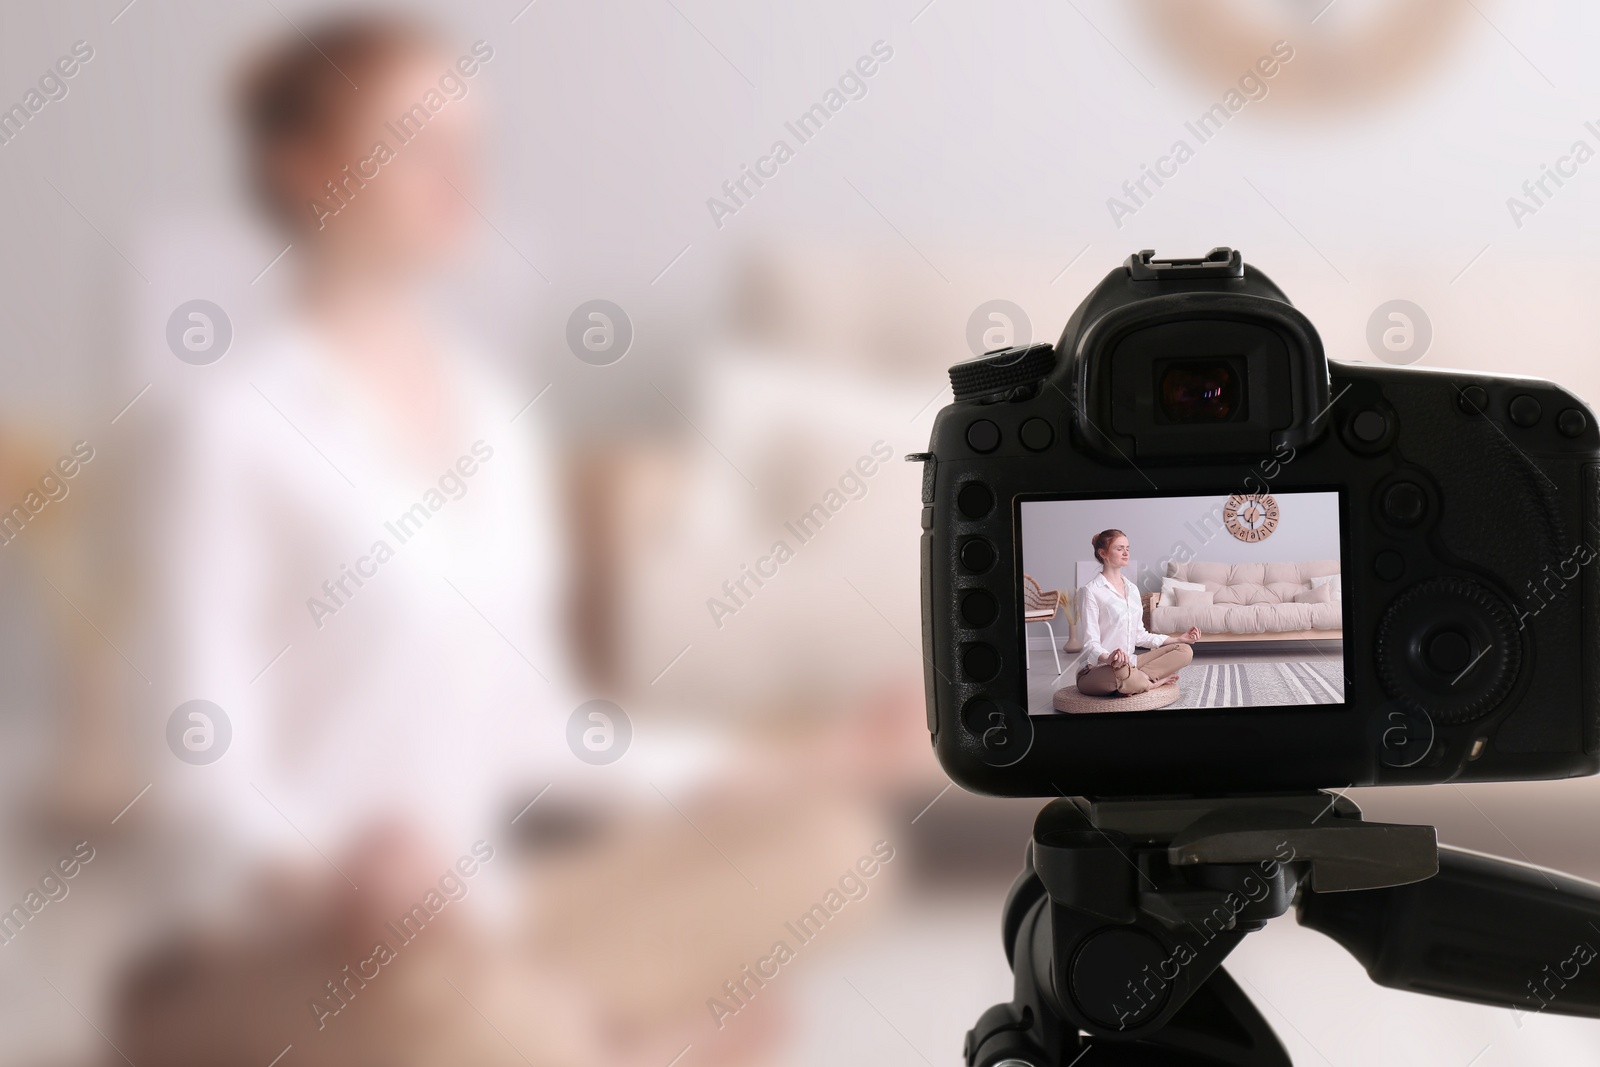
point(1000, 373)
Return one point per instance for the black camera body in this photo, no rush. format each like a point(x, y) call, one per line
point(1465, 506)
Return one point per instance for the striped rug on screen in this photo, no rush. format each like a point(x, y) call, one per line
point(1234, 685)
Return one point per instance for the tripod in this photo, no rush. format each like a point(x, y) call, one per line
point(1118, 925)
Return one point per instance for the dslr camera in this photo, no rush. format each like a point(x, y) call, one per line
point(1380, 571)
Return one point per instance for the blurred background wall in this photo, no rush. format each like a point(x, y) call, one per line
point(780, 332)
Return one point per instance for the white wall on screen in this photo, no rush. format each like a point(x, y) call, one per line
point(1056, 534)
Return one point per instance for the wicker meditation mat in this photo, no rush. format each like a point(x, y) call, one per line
point(1075, 703)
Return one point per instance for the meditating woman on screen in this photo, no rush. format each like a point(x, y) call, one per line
point(1113, 624)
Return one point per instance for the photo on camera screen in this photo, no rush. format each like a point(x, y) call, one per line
point(1173, 603)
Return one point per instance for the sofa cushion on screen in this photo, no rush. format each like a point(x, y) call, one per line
point(1333, 580)
point(1317, 594)
point(1170, 587)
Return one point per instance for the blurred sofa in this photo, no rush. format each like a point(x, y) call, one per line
point(1251, 601)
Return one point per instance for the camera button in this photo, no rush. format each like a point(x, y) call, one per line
point(1038, 435)
point(975, 500)
point(1404, 503)
point(1369, 426)
point(927, 518)
point(983, 436)
point(1449, 652)
point(979, 608)
point(1388, 565)
point(1525, 411)
point(1572, 422)
point(1002, 728)
point(981, 663)
point(977, 556)
point(1473, 400)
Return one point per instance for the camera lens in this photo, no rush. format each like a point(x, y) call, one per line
point(1199, 390)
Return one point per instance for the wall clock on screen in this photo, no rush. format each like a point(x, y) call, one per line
point(1250, 516)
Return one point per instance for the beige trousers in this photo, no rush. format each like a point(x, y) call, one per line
point(1148, 669)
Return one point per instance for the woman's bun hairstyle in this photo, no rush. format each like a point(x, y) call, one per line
point(1102, 541)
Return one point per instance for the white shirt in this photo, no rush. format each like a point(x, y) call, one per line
point(435, 692)
point(1112, 620)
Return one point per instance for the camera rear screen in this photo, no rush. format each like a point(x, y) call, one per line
point(1138, 604)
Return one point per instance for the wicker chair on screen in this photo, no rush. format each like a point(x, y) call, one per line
point(1041, 606)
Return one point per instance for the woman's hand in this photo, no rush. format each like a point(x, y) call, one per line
point(1115, 658)
point(1190, 636)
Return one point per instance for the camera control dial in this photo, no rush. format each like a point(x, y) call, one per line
point(999, 373)
point(1448, 647)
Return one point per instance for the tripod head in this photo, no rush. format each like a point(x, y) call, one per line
point(1125, 910)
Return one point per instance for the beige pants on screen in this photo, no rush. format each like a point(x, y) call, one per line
point(1146, 670)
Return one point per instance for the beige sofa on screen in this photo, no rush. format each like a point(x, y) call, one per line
point(1251, 602)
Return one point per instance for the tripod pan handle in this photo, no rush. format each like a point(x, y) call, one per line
point(1483, 929)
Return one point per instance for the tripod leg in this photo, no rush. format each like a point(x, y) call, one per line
point(1217, 1027)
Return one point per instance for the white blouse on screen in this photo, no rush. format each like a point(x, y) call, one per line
point(1113, 620)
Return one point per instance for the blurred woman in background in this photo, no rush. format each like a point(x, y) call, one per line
point(356, 549)
point(356, 541)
